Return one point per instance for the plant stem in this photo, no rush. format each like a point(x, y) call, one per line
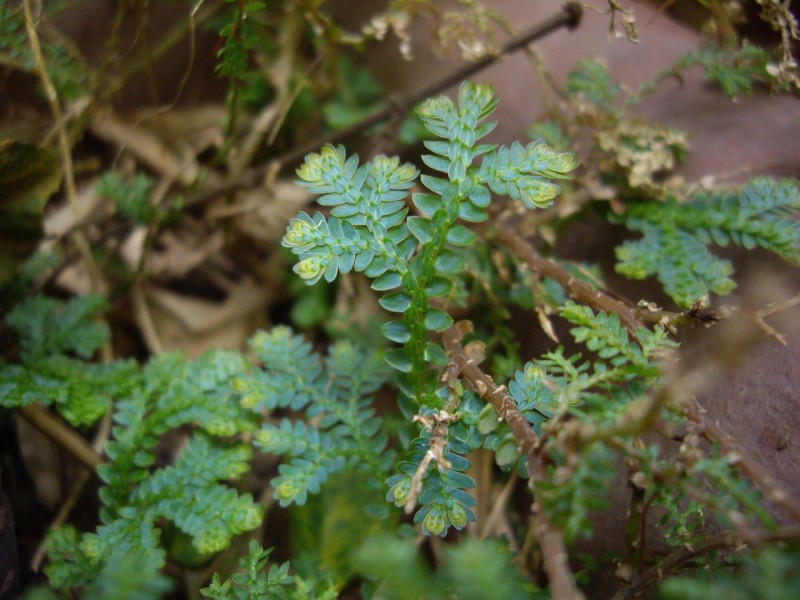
point(569, 17)
point(554, 551)
point(577, 289)
point(750, 468)
point(727, 539)
point(63, 141)
point(62, 435)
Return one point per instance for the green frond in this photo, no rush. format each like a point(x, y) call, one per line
point(523, 172)
point(106, 561)
point(443, 499)
point(255, 580)
point(769, 572)
point(602, 333)
point(591, 82)
point(676, 236)
point(82, 401)
point(484, 568)
point(291, 377)
point(335, 393)
point(47, 327)
point(302, 477)
point(415, 258)
point(535, 399)
point(366, 230)
point(736, 70)
point(573, 492)
point(55, 338)
point(187, 493)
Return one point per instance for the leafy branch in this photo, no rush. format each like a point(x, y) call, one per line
point(676, 236)
point(367, 230)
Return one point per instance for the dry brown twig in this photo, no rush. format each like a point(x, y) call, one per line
point(569, 17)
point(64, 143)
point(724, 540)
point(577, 288)
point(551, 539)
point(746, 464)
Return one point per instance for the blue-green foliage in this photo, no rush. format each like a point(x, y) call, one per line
point(342, 431)
point(676, 236)
point(620, 370)
point(69, 74)
point(47, 327)
point(55, 339)
point(591, 82)
point(576, 488)
point(740, 498)
point(736, 70)
point(136, 498)
point(598, 389)
point(121, 561)
point(132, 198)
point(175, 393)
point(443, 499)
point(416, 258)
point(256, 582)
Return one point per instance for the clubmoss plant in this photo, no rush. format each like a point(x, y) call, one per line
point(414, 258)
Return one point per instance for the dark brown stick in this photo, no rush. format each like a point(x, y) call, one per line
point(577, 289)
point(724, 540)
point(746, 465)
point(554, 551)
point(569, 17)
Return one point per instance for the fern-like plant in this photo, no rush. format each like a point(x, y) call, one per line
point(676, 236)
point(334, 393)
point(415, 258)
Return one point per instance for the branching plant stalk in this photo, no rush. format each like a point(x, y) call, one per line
point(63, 139)
point(746, 465)
point(569, 17)
point(578, 290)
point(727, 539)
point(554, 551)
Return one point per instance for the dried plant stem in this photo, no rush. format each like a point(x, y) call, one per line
point(569, 16)
point(746, 465)
point(196, 17)
point(728, 539)
point(80, 481)
point(554, 551)
point(577, 288)
point(63, 140)
point(771, 309)
point(62, 435)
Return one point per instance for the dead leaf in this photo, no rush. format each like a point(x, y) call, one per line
point(182, 252)
point(263, 213)
point(194, 325)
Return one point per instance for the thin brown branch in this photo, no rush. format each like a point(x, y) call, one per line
point(577, 288)
point(746, 465)
point(728, 539)
point(554, 551)
point(569, 17)
point(771, 309)
point(64, 142)
point(168, 41)
point(76, 489)
point(62, 435)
